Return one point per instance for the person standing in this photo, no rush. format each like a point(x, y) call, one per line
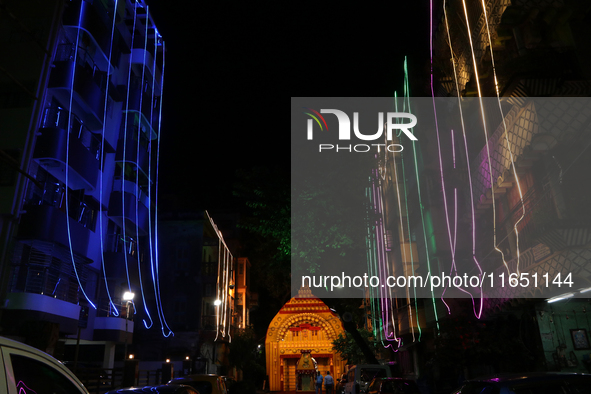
point(319, 380)
point(328, 383)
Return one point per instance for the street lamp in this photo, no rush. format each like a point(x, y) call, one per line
point(128, 298)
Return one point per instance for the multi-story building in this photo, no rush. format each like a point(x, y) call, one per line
point(79, 137)
point(206, 288)
point(506, 199)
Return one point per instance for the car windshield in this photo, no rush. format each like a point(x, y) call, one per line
point(369, 374)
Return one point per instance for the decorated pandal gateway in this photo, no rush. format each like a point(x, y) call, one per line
point(299, 344)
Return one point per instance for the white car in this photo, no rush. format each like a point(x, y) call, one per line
point(27, 370)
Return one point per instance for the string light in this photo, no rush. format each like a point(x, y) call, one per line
point(451, 238)
point(155, 275)
point(492, 57)
point(124, 158)
point(137, 178)
point(225, 260)
point(417, 176)
point(477, 78)
point(468, 166)
point(406, 96)
point(100, 216)
point(150, 162)
point(78, 32)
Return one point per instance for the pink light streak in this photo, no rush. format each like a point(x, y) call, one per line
point(452, 241)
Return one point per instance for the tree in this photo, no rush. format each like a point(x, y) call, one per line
point(246, 356)
point(328, 227)
point(350, 350)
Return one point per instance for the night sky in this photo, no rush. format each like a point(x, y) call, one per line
point(230, 70)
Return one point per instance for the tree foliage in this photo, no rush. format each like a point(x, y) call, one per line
point(265, 197)
point(246, 356)
point(350, 350)
point(266, 194)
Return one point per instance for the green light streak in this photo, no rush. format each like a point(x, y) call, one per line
point(406, 91)
point(370, 260)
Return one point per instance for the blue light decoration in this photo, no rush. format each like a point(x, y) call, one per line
point(153, 230)
point(68, 157)
point(137, 178)
point(156, 39)
point(123, 163)
point(155, 277)
point(150, 170)
point(100, 216)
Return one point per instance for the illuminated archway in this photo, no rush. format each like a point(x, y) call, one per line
point(303, 323)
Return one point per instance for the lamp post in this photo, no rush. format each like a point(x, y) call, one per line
point(128, 298)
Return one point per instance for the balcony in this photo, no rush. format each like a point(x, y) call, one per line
point(141, 57)
point(43, 286)
point(137, 118)
point(51, 153)
point(111, 326)
point(48, 223)
point(30, 306)
point(118, 253)
point(82, 19)
point(128, 153)
point(122, 210)
point(88, 89)
point(113, 329)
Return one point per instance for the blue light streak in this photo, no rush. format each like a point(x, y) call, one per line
point(150, 164)
point(56, 285)
point(137, 182)
point(124, 154)
point(68, 157)
point(100, 216)
point(156, 278)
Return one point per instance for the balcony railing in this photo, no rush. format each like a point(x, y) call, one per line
point(88, 86)
point(115, 309)
point(58, 117)
point(43, 271)
point(54, 194)
point(117, 244)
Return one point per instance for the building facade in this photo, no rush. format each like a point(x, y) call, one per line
point(511, 197)
point(81, 111)
point(206, 288)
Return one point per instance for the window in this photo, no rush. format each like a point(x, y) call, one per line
point(35, 377)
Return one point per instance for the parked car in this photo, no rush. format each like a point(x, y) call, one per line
point(359, 376)
point(205, 384)
point(161, 389)
point(339, 387)
point(393, 386)
point(27, 370)
point(529, 383)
